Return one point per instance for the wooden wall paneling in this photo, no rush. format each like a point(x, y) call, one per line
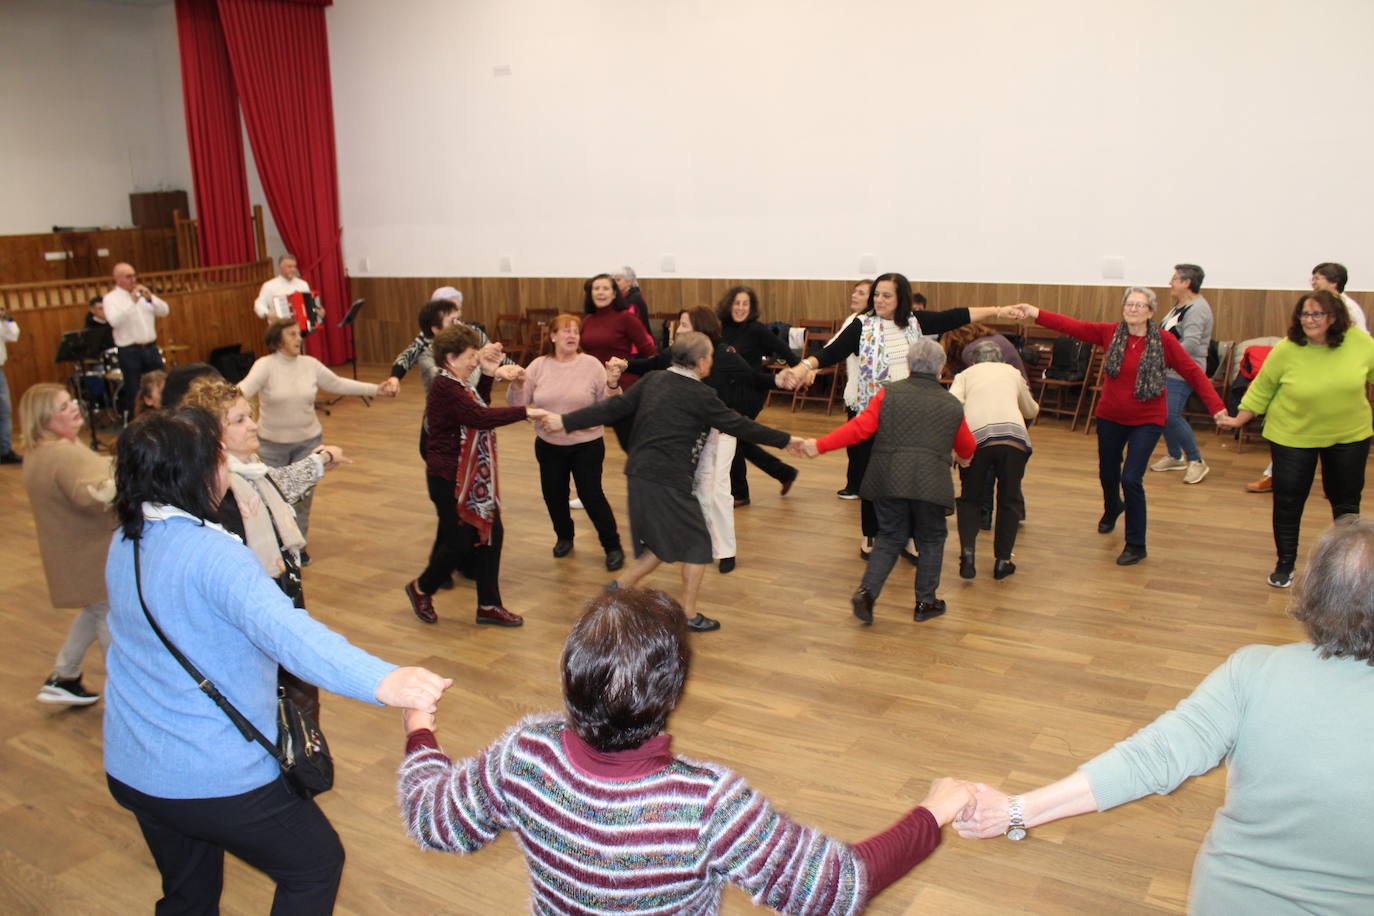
point(22, 261)
point(1240, 313)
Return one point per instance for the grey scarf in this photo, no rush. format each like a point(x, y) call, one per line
point(1149, 376)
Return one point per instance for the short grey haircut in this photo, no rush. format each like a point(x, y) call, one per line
point(689, 348)
point(628, 273)
point(925, 355)
point(1149, 294)
point(987, 351)
point(287, 257)
point(1334, 598)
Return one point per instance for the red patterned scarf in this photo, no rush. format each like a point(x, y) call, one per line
point(475, 484)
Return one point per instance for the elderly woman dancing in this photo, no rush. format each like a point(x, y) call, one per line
point(612, 821)
point(1133, 407)
point(1285, 720)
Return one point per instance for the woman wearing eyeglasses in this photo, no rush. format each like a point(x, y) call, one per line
point(1132, 408)
point(1311, 391)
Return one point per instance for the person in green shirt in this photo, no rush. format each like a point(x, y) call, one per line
point(1295, 726)
point(1312, 393)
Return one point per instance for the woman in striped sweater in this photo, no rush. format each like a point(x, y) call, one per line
point(612, 821)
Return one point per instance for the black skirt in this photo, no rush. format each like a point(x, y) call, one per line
point(667, 522)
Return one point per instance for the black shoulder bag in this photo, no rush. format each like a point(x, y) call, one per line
point(301, 750)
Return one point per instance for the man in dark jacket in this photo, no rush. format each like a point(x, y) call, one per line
point(673, 410)
point(916, 424)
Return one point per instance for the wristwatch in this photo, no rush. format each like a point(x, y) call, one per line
point(1016, 814)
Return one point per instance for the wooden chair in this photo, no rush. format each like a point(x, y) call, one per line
point(1098, 365)
point(1062, 389)
point(513, 333)
point(831, 377)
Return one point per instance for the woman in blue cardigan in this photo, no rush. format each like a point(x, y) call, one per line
point(171, 757)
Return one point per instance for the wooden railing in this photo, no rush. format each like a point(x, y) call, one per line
point(188, 237)
point(20, 297)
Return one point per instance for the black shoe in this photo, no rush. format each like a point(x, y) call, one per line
point(925, 610)
point(68, 692)
point(846, 493)
point(1132, 555)
point(788, 481)
point(966, 567)
point(614, 559)
point(1282, 576)
point(741, 502)
point(866, 550)
point(305, 558)
point(1107, 523)
point(727, 564)
point(702, 624)
point(562, 548)
point(1003, 568)
point(611, 586)
point(985, 519)
point(862, 602)
point(11, 458)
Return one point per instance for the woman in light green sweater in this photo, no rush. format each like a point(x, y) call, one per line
point(1295, 725)
point(1312, 393)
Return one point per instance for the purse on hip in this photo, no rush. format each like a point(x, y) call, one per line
point(300, 751)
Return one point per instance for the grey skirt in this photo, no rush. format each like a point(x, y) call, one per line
point(667, 522)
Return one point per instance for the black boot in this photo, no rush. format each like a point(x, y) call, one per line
point(966, 567)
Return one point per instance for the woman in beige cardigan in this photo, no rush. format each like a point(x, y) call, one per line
point(70, 491)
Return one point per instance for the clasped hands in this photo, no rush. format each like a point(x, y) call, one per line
point(792, 377)
point(417, 691)
point(803, 448)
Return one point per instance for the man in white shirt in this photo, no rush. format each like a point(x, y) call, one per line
point(1190, 320)
point(1332, 277)
point(9, 333)
point(131, 308)
point(272, 303)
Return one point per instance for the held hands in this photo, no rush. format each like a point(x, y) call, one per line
point(949, 798)
point(987, 816)
point(413, 688)
point(799, 376)
point(548, 421)
point(389, 388)
point(615, 368)
point(1020, 311)
point(411, 719)
point(332, 456)
point(1226, 421)
point(515, 374)
point(492, 353)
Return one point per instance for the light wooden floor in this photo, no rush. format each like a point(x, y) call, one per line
point(841, 726)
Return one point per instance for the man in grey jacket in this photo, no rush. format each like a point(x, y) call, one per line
point(1190, 320)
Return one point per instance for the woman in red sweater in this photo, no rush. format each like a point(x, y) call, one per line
point(610, 328)
point(1132, 409)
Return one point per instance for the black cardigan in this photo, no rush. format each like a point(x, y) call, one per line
point(673, 414)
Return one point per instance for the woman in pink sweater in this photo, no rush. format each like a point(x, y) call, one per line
point(567, 381)
point(1133, 407)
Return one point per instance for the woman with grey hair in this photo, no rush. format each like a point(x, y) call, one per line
point(997, 402)
point(628, 284)
point(1133, 407)
point(1295, 726)
point(914, 424)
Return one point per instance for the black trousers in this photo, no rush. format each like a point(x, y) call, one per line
point(271, 828)
point(859, 456)
point(1294, 470)
point(853, 475)
point(900, 520)
point(455, 547)
point(765, 461)
point(583, 463)
point(1004, 465)
point(134, 360)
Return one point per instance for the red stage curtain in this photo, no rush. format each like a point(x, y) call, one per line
point(279, 52)
point(214, 137)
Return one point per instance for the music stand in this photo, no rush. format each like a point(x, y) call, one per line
point(79, 348)
point(347, 321)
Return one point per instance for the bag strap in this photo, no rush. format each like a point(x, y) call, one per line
point(246, 728)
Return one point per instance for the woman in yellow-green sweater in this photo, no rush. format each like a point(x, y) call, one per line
point(1312, 393)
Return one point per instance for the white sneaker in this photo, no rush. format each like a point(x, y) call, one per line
point(1196, 471)
point(574, 504)
point(1169, 464)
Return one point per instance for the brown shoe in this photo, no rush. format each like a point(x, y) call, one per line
point(1264, 485)
point(420, 603)
point(498, 617)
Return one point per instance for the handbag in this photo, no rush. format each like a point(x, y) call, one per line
point(301, 750)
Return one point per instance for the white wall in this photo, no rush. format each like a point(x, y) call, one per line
point(92, 111)
point(93, 99)
point(991, 140)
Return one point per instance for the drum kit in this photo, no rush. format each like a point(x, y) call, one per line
point(95, 380)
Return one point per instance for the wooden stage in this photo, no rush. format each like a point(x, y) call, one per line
point(842, 726)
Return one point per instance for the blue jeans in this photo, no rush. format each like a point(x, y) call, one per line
point(6, 446)
point(1178, 434)
point(1125, 477)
